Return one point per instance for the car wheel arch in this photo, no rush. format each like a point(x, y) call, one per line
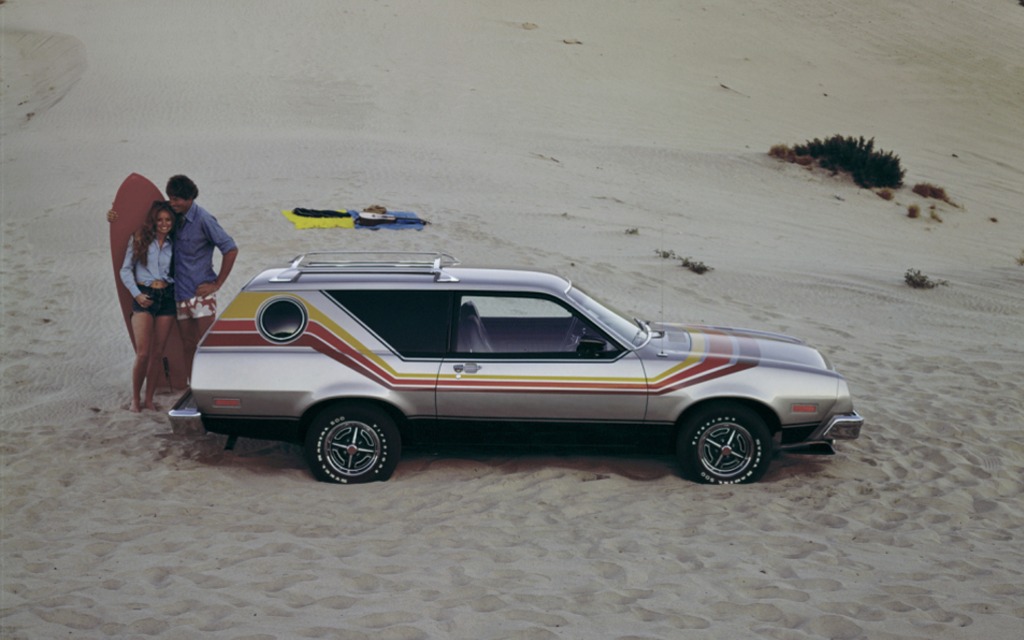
point(314, 410)
point(771, 419)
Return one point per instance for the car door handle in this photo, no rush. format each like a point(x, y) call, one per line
point(469, 367)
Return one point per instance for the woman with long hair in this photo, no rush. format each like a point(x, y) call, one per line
point(148, 273)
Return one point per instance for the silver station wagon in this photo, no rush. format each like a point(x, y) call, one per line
point(353, 354)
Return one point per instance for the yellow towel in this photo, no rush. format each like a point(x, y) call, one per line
point(304, 222)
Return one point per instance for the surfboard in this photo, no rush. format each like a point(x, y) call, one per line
point(132, 202)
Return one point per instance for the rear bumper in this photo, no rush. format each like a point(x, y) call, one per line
point(184, 411)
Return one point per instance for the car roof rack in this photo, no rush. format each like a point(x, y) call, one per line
point(426, 263)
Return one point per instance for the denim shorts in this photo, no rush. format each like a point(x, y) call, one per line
point(163, 301)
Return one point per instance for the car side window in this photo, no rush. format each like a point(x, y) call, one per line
point(414, 323)
point(526, 326)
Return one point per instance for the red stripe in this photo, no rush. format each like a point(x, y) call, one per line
point(725, 356)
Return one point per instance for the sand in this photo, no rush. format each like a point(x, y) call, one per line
point(575, 136)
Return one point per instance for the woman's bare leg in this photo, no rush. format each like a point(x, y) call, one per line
point(142, 327)
point(162, 330)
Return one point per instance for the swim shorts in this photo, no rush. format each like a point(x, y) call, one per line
point(198, 307)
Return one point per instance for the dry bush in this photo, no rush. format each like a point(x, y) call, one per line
point(928, 190)
point(885, 194)
point(784, 152)
point(913, 211)
point(856, 156)
point(1020, 258)
point(917, 280)
point(697, 267)
point(689, 263)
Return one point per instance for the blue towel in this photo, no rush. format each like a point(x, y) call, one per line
point(395, 220)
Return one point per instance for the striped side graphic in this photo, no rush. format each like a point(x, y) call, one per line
point(713, 355)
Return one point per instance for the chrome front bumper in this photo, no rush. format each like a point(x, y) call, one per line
point(844, 426)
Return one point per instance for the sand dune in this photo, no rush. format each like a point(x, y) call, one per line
point(529, 134)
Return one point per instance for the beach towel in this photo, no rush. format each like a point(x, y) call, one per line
point(388, 220)
point(320, 218)
point(379, 218)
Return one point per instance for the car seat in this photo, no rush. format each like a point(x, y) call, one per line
point(472, 337)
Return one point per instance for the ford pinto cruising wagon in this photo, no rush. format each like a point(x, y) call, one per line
point(352, 353)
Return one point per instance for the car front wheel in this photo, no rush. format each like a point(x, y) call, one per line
point(353, 443)
point(726, 443)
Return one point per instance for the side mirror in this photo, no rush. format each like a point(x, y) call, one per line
point(591, 346)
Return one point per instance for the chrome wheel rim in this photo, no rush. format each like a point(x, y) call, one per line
point(726, 449)
point(352, 448)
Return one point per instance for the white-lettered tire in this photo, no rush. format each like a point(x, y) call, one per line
point(352, 443)
point(725, 443)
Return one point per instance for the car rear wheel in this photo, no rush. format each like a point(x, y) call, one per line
point(353, 443)
point(725, 443)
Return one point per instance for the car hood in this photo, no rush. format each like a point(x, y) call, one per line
point(684, 341)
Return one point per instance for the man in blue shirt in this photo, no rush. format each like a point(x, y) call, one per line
point(195, 282)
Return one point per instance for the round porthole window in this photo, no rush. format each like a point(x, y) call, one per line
point(282, 320)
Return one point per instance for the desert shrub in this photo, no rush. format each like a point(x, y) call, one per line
point(918, 280)
point(928, 190)
point(856, 156)
point(665, 254)
point(697, 267)
point(632, 231)
point(1020, 258)
point(913, 211)
point(782, 152)
point(885, 194)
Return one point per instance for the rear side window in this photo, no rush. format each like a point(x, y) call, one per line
point(413, 323)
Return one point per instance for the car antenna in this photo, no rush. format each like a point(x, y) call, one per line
point(661, 281)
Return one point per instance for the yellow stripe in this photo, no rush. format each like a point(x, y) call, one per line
point(246, 305)
point(698, 349)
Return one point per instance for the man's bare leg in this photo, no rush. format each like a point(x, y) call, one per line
point(192, 331)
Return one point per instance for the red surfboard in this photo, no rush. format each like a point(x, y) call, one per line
point(132, 203)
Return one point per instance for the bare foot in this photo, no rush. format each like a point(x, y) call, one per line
point(134, 408)
point(150, 406)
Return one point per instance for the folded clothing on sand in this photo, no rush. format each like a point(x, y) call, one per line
point(304, 218)
point(389, 220)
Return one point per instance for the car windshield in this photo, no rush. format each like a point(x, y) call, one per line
point(634, 333)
